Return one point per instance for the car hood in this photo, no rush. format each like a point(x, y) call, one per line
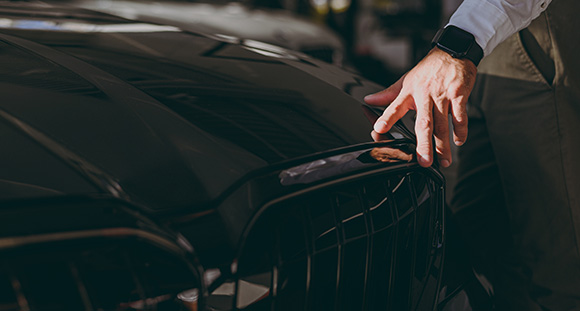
point(99, 105)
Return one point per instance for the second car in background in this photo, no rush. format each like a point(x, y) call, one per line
point(232, 19)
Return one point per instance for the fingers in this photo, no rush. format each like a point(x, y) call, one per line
point(392, 114)
point(424, 130)
point(441, 133)
point(376, 136)
point(386, 96)
point(459, 118)
point(431, 87)
point(432, 122)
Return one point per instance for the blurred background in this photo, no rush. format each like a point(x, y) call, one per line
point(382, 38)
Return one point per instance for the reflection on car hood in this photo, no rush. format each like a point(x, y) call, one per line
point(158, 117)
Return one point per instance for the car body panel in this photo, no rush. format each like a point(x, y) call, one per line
point(154, 110)
point(224, 141)
point(86, 254)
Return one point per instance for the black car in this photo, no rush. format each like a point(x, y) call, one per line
point(259, 158)
point(86, 254)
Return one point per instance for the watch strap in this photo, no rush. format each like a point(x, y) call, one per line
point(474, 53)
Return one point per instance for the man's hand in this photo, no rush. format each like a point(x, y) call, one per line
point(439, 85)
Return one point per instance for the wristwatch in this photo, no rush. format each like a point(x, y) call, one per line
point(458, 43)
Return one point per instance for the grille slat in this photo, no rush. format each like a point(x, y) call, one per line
point(369, 242)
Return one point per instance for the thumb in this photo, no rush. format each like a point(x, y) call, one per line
point(386, 96)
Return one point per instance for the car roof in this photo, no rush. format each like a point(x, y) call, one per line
point(154, 115)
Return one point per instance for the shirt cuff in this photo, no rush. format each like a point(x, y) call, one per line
point(493, 21)
point(484, 21)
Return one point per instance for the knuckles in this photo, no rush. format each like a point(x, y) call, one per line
point(423, 124)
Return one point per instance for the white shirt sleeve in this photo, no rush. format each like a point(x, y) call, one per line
point(493, 21)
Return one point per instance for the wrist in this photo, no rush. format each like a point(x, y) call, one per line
point(463, 62)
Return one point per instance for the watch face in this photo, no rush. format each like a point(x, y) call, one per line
point(456, 40)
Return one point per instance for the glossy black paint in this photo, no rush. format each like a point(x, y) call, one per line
point(79, 254)
point(260, 158)
point(330, 243)
point(173, 104)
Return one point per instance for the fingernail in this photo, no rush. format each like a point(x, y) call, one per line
point(380, 126)
point(458, 143)
point(425, 159)
point(445, 163)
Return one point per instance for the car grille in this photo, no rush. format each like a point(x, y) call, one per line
point(374, 244)
point(96, 273)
